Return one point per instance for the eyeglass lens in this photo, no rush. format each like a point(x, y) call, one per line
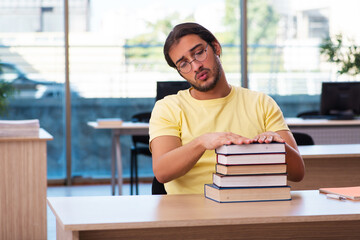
point(200, 56)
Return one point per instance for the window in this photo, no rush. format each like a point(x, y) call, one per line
point(115, 63)
point(32, 54)
point(116, 59)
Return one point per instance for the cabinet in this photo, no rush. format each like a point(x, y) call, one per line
point(23, 184)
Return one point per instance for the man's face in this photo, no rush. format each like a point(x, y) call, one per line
point(203, 75)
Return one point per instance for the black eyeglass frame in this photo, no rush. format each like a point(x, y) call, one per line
point(205, 51)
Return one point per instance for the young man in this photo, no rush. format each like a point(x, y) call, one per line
point(187, 127)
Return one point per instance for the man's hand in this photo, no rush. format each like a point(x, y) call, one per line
point(268, 137)
point(210, 141)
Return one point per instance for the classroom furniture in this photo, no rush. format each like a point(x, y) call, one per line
point(303, 139)
point(157, 188)
point(325, 131)
point(308, 215)
point(308, 113)
point(140, 146)
point(23, 184)
point(126, 128)
point(336, 165)
point(164, 88)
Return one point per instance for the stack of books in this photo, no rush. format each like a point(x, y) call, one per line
point(19, 128)
point(249, 172)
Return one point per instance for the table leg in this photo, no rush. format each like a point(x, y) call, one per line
point(119, 163)
point(62, 234)
point(113, 160)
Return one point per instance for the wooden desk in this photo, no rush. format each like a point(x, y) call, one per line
point(23, 184)
point(126, 128)
point(336, 165)
point(327, 131)
point(309, 215)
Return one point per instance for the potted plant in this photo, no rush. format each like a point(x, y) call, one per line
point(346, 57)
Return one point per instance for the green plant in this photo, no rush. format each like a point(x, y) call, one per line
point(6, 91)
point(347, 58)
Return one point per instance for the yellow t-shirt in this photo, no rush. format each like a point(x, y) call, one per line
point(243, 111)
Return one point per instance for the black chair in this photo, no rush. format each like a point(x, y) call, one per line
point(163, 89)
point(157, 188)
point(308, 114)
point(140, 146)
point(303, 139)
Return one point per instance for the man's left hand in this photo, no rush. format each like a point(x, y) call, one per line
point(268, 137)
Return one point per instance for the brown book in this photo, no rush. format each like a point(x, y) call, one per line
point(262, 180)
point(251, 169)
point(246, 194)
point(109, 121)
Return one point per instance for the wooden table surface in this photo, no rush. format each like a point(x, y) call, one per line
point(138, 213)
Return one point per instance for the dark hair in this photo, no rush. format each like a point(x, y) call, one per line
point(182, 30)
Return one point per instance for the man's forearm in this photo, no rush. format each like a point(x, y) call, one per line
point(295, 164)
point(178, 161)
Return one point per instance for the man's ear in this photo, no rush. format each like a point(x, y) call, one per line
point(217, 47)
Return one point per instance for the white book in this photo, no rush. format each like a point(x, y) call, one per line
point(22, 132)
point(249, 180)
point(20, 124)
point(252, 148)
point(19, 128)
point(246, 194)
point(239, 159)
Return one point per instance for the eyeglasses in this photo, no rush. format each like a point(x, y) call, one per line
point(200, 56)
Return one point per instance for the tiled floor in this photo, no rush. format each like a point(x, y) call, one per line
point(87, 190)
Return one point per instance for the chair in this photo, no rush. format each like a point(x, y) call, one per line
point(140, 146)
point(157, 188)
point(308, 114)
point(163, 89)
point(303, 139)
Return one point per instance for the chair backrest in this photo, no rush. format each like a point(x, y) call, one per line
point(141, 117)
point(165, 88)
point(303, 139)
point(308, 113)
point(157, 188)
